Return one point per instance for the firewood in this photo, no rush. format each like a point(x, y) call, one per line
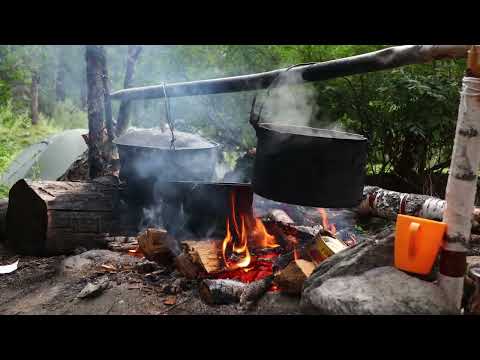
point(221, 291)
point(55, 217)
point(187, 267)
point(323, 247)
point(388, 204)
point(281, 216)
point(154, 244)
point(206, 254)
point(255, 290)
point(291, 279)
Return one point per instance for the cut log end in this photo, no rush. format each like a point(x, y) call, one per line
point(291, 279)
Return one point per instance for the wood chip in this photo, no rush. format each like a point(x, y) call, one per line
point(170, 300)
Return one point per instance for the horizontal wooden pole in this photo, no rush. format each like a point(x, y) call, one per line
point(385, 59)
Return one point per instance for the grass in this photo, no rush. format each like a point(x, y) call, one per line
point(16, 133)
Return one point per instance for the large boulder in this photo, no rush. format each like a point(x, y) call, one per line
point(365, 256)
point(380, 291)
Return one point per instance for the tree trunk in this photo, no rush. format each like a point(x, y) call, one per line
point(462, 186)
point(55, 217)
point(83, 95)
point(60, 78)
point(34, 98)
point(3, 216)
point(95, 55)
point(124, 111)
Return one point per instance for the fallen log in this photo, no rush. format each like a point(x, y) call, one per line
point(221, 291)
point(205, 254)
point(291, 279)
point(388, 204)
point(54, 217)
point(3, 215)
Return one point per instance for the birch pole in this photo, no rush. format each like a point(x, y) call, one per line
point(462, 184)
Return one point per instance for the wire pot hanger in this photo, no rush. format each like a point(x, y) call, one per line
point(170, 122)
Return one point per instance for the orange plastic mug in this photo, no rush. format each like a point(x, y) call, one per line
point(417, 243)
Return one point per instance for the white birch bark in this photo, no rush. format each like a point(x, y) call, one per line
point(462, 183)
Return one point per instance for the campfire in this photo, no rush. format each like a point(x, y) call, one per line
point(257, 254)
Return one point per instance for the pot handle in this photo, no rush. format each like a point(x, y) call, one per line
point(171, 125)
point(255, 118)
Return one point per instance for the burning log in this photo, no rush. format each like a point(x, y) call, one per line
point(255, 290)
point(154, 245)
point(388, 204)
point(54, 217)
point(221, 292)
point(291, 279)
point(205, 254)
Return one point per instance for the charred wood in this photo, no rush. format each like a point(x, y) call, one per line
point(255, 290)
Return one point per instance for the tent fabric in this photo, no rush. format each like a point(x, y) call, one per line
point(48, 159)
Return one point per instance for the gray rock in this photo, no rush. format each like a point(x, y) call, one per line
point(92, 290)
point(381, 291)
point(356, 260)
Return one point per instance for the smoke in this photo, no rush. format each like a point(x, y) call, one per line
point(290, 103)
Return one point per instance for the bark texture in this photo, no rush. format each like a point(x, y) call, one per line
point(95, 98)
point(461, 192)
point(124, 111)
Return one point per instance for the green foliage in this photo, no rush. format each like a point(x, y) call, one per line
point(16, 133)
point(66, 115)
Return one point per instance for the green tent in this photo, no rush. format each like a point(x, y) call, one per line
point(48, 159)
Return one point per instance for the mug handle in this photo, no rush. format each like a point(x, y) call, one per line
point(412, 232)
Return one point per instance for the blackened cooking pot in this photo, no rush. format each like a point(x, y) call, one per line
point(144, 165)
point(307, 166)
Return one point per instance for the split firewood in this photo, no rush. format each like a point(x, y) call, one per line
point(187, 267)
point(206, 254)
point(221, 291)
point(291, 279)
point(255, 290)
point(323, 247)
point(153, 243)
point(388, 204)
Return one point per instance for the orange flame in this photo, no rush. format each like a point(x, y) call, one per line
point(326, 225)
point(238, 243)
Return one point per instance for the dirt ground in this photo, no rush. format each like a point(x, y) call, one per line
point(51, 285)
